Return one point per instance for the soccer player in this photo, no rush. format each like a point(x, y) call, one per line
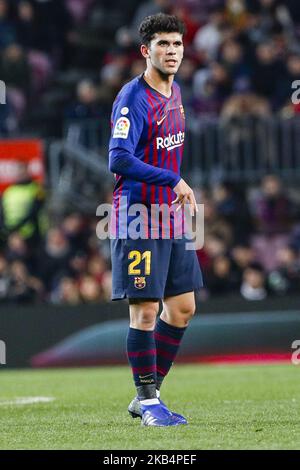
point(145, 153)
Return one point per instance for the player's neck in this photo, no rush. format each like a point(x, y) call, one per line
point(163, 86)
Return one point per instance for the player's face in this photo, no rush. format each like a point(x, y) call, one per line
point(165, 52)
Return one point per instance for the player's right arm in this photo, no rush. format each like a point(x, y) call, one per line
point(124, 163)
point(128, 124)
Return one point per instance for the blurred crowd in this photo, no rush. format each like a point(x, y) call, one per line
point(251, 246)
point(58, 262)
point(65, 60)
point(251, 240)
point(72, 56)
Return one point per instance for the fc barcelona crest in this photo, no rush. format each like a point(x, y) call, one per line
point(139, 282)
point(182, 111)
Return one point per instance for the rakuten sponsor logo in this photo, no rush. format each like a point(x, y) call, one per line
point(170, 142)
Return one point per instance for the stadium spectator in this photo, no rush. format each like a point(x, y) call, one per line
point(286, 278)
point(136, 68)
point(113, 73)
point(56, 254)
point(253, 30)
point(212, 86)
point(185, 77)
point(14, 69)
point(273, 208)
point(221, 279)
point(129, 36)
point(209, 37)
point(97, 268)
point(242, 256)
point(18, 250)
point(275, 16)
point(78, 264)
point(268, 72)
point(236, 14)
point(182, 12)
point(273, 215)
point(253, 286)
point(79, 9)
point(87, 104)
point(232, 205)
point(26, 25)
point(244, 105)
point(67, 292)
point(76, 230)
point(214, 246)
point(232, 58)
point(239, 113)
point(214, 223)
point(22, 205)
point(23, 287)
point(7, 27)
point(89, 289)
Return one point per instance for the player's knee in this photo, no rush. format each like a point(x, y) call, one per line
point(187, 311)
point(144, 317)
point(179, 315)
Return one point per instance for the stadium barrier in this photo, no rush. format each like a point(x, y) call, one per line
point(268, 326)
point(237, 148)
point(77, 176)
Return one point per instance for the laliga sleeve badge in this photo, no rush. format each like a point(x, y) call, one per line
point(139, 282)
point(121, 129)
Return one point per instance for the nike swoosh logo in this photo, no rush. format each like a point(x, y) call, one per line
point(145, 376)
point(161, 120)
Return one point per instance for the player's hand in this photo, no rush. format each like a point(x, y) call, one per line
point(185, 195)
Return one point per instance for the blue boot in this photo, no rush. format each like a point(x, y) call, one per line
point(134, 409)
point(157, 415)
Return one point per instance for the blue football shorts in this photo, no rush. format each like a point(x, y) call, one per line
point(153, 269)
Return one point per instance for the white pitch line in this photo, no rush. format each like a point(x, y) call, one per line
point(26, 401)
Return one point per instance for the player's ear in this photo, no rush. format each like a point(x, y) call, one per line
point(145, 51)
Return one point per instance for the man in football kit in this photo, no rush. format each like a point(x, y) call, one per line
point(145, 153)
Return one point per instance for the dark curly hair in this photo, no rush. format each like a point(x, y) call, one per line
point(159, 23)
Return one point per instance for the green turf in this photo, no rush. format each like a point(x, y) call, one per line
point(228, 407)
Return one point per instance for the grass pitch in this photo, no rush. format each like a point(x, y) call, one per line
point(228, 407)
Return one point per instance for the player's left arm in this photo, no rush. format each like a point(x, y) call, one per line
point(185, 194)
